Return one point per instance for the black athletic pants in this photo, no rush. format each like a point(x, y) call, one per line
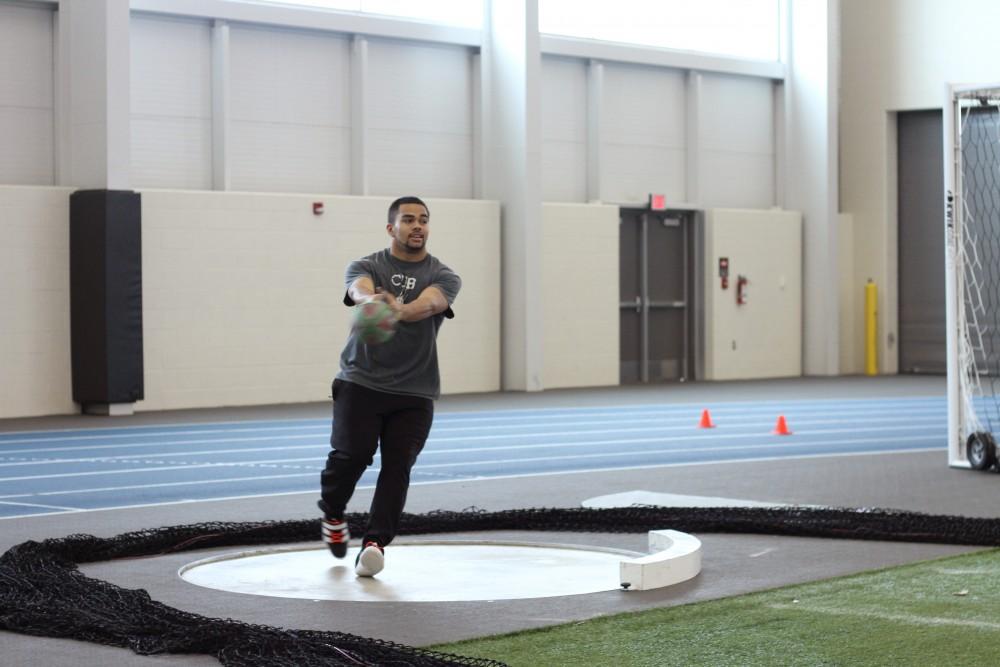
point(365, 420)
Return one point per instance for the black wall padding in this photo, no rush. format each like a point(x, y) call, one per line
point(105, 267)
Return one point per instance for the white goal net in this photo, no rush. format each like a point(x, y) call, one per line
point(972, 273)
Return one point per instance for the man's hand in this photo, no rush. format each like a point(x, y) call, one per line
point(430, 302)
point(388, 298)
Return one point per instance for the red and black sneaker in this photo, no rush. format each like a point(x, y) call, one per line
point(370, 560)
point(336, 535)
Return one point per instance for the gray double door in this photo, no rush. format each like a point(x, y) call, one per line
point(921, 243)
point(656, 293)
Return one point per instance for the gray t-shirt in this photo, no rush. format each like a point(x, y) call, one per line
point(407, 363)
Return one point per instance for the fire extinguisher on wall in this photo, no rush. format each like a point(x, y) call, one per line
point(741, 290)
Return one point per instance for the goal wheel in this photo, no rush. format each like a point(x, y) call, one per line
point(981, 450)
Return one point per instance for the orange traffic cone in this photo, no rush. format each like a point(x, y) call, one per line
point(781, 428)
point(706, 420)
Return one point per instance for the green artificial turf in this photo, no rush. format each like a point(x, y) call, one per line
point(942, 612)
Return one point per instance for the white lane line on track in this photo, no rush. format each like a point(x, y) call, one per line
point(85, 434)
point(689, 413)
point(520, 412)
point(786, 443)
point(47, 507)
point(167, 464)
point(132, 458)
point(166, 443)
point(687, 425)
point(171, 457)
point(485, 478)
point(676, 411)
point(132, 487)
point(283, 463)
point(777, 445)
point(271, 463)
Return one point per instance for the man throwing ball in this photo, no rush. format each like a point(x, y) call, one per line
point(383, 396)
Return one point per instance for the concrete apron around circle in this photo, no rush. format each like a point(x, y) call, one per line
point(417, 572)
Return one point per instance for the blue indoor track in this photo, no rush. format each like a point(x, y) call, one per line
point(44, 472)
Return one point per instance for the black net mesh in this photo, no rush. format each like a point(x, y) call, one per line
point(42, 592)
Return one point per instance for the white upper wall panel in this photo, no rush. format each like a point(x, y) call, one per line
point(737, 114)
point(564, 130)
point(289, 76)
point(415, 87)
point(736, 140)
point(26, 95)
point(643, 125)
point(564, 99)
point(419, 114)
point(736, 180)
point(171, 67)
point(171, 101)
point(643, 105)
point(289, 110)
point(25, 56)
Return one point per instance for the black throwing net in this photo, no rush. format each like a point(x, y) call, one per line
point(43, 593)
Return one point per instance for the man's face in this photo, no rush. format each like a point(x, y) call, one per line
point(410, 230)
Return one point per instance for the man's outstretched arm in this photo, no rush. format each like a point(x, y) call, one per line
point(430, 302)
point(362, 289)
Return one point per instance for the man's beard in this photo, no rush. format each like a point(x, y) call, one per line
point(413, 249)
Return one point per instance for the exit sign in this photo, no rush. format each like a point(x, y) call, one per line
point(658, 202)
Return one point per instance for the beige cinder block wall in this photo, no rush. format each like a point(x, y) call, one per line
point(762, 338)
point(242, 293)
point(580, 291)
point(241, 296)
point(897, 55)
point(34, 302)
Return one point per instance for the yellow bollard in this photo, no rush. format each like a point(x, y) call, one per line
point(871, 329)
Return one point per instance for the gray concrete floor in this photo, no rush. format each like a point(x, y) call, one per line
point(732, 564)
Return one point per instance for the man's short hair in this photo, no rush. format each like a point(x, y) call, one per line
point(394, 207)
